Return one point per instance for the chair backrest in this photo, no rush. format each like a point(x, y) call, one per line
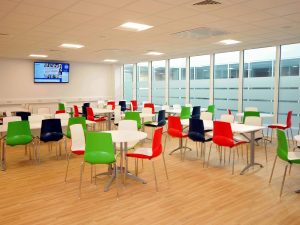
point(109, 107)
point(253, 120)
point(206, 116)
point(99, 148)
point(161, 118)
point(112, 103)
point(60, 111)
point(282, 145)
point(61, 106)
point(134, 116)
point(76, 111)
point(211, 108)
point(196, 112)
point(156, 143)
point(117, 116)
point(144, 102)
point(134, 105)
point(251, 109)
point(174, 125)
point(8, 119)
point(18, 128)
point(229, 118)
point(123, 105)
point(196, 126)
point(150, 105)
point(147, 110)
point(250, 113)
point(165, 107)
point(90, 114)
point(78, 138)
point(62, 116)
point(289, 119)
point(86, 104)
point(127, 125)
point(43, 110)
point(8, 113)
point(176, 106)
point(185, 112)
point(51, 126)
point(23, 115)
point(35, 118)
point(76, 120)
point(222, 134)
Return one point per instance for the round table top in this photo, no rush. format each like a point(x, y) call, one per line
point(127, 135)
point(262, 115)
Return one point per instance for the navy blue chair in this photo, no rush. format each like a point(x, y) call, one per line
point(23, 115)
point(196, 112)
point(51, 131)
point(197, 134)
point(84, 106)
point(161, 120)
point(123, 105)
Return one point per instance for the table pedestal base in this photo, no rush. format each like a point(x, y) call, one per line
point(249, 166)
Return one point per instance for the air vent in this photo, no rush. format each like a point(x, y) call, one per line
point(207, 2)
point(199, 33)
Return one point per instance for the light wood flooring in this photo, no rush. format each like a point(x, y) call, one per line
point(37, 194)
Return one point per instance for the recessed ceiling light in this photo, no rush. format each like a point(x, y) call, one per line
point(229, 42)
point(110, 60)
point(154, 53)
point(134, 26)
point(67, 45)
point(38, 56)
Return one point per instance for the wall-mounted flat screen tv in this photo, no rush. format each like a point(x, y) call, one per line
point(51, 72)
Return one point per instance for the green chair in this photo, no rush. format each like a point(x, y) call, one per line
point(99, 149)
point(61, 106)
point(211, 109)
point(284, 154)
point(18, 133)
point(134, 116)
point(185, 112)
point(250, 113)
point(76, 120)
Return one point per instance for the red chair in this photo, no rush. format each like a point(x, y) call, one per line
point(91, 116)
point(223, 137)
point(112, 103)
point(175, 131)
point(76, 111)
point(286, 126)
point(150, 105)
point(151, 153)
point(133, 105)
point(60, 111)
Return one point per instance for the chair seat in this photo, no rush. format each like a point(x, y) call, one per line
point(294, 157)
point(196, 136)
point(277, 126)
point(18, 140)
point(97, 157)
point(100, 119)
point(142, 153)
point(51, 136)
point(78, 152)
point(151, 124)
point(176, 133)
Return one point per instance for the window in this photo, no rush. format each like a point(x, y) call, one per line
point(128, 82)
point(199, 80)
point(142, 84)
point(289, 94)
point(158, 82)
point(177, 81)
point(226, 72)
point(258, 82)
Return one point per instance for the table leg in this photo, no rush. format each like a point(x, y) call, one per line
point(109, 121)
point(252, 154)
point(179, 147)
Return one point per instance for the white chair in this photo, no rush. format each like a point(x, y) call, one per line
point(130, 125)
point(227, 118)
point(177, 106)
point(35, 118)
point(251, 109)
point(8, 113)
point(144, 102)
point(62, 116)
point(109, 107)
point(43, 110)
point(117, 116)
point(147, 110)
point(78, 143)
point(206, 116)
point(8, 119)
point(118, 107)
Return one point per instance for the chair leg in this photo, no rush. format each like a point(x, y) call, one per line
point(163, 156)
point(273, 169)
point(292, 135)
point(283, 180)
point(204, 150)
point(290, 169)
point(233, 161)
point(68, 160)
point(183, 156)
point(80, 181)
point(288, 138)
point(153, 166)
point(3, 156)
point(271, 135)
point(209, 154)
point(265, 145)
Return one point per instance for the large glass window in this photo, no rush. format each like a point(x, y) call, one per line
point(158, 82)
point(258, 82)
point(199, 80)
point(289, 91)
point(226, 73)
point(177, 81)
point(142, 84)
point(128, 82)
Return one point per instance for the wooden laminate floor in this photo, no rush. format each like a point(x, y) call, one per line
point(37, 194)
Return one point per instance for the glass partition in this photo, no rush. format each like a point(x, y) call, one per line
point(142, 84)
point(177, 81)
point(128, 82)
point(158, 82)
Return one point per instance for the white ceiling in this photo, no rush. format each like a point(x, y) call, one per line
point(40, 26)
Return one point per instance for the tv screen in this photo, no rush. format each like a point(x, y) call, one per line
point(51, 72)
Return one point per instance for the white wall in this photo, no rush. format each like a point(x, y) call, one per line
point(87, 80)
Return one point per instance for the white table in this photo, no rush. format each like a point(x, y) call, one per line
point(123, 137)
point(109, 113)
point(262, 115)
point(240, 129)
